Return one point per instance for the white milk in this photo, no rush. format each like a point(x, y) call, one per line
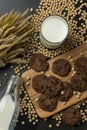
point(7, 107)
point(54, 30)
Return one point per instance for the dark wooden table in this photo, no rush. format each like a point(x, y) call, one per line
point(6, 6)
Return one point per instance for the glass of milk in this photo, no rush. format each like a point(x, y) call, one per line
point(9, 103)
point(53, 31)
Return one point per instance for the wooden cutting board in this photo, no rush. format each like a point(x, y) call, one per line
point(28, 75)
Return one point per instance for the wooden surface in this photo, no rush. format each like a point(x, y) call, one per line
point(74, 54)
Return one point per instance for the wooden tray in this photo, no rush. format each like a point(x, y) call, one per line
point(28, 75)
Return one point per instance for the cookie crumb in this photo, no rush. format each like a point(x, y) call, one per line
point(78, 96)
point(5, 74)
point(28, 78)
point(69, 57)
point(42, 72)
point(64, 103)
point(31, 9)
point(45, 119)
point(22, 122)
point(71, 60)
point(57, 124)
point(74, 92)
point(72, 68)
point(81, 54)
point(27, 83)
point(62, 92)
point(50, 125)
point(36, 99)
point(74, 72)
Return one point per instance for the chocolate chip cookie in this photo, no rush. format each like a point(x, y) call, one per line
point(49, 85)
point(61, 67)
point(39, 83)
point(47, 103)
point(53, 86)
point(81, 65)
point(38, 62)
point(71, 116)
point(67, 92)
point(79, 82)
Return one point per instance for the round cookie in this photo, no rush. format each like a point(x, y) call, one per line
point(79, 82)
point(53, 86)
point(47, 103)
point(71, 116)
point(61, 67)
point(67, 92)
point(81, 65)
point(39, 83)
point(38, 62)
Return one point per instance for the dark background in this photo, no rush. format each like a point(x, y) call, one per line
point(6, 6)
